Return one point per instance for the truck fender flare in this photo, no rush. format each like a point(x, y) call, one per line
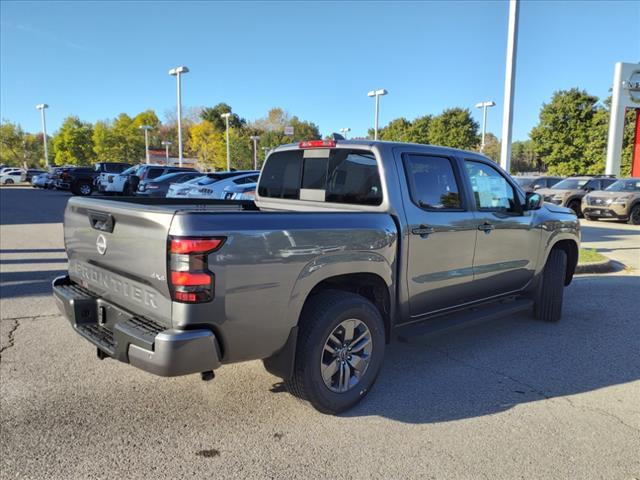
point(322, 268)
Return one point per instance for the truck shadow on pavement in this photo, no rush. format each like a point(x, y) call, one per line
point(492, 367)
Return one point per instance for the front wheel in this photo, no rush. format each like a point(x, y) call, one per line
point(577, 209)
point(634, 215)
point(339, 351)
point(84, 189)
point(550, 291)
point(8, 181)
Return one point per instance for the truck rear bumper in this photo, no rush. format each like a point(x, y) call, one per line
point(135, 340)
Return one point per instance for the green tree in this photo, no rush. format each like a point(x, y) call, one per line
point(120, 140)
point(524, 158)
point(213, 116)
point(419, 131)
point(570, 137)
point(73, 143)
point(454, 127)
point(12, 151)
point(397, 130)
point(492, 147)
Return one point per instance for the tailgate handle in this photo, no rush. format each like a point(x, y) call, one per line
point(101, 221)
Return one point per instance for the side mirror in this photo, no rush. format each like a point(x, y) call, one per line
point(533, 201)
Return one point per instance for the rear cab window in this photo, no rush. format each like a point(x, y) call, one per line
point(340, 175)
point(432, 182)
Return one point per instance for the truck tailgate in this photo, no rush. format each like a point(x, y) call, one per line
point(118, 250)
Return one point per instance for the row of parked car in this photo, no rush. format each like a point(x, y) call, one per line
point(112, 178)
point(11, 175)
point(592, 197)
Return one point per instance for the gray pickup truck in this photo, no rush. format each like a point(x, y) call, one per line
point(348, 245)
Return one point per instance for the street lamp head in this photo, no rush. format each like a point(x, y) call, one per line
point(225, 115)
point(178, 70)
point(485, 104)
point(166, 143)
point(375, 93)
point(254, 137)
point(42, 106)
point(145, 127)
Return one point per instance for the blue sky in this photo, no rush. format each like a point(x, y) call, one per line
point(316, 60)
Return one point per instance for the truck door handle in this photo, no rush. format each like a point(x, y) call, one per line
point(423, 230)
point(486, 227)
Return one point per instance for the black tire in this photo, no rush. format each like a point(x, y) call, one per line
point(8, 181)
point(321, 315)
point(590, 218)
point(634, 215)
point(550, 290)
point(126, 189)
point(575, 206)
point(84, 189)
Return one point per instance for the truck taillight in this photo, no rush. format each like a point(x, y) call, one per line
point(190, 280)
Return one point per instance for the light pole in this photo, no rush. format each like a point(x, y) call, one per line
point(509, 85)
point(226, 119)
point(177, 72)
point(344, 132)
point(484, 106)
point(166, 144)
point(377, 94)
point(41, 107)
point(146, 129)
point(255, 139)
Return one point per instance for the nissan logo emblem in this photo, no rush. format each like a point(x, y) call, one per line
point(101, 244)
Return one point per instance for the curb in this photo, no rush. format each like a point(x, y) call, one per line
point(605, 266)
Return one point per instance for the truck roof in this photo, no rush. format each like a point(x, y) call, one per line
point(381, 143)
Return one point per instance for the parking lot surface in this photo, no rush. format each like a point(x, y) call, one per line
point(512, 398)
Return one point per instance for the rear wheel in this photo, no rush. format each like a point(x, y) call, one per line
point(339, 351)
point(550, 291)
point(634, 215)
point(8, 181)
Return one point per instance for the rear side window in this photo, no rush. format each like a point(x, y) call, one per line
point(432, 182)
point(337, 176)
point(245, 180)
point(154, 173)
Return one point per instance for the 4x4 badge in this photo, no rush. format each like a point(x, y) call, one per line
point(101, 244)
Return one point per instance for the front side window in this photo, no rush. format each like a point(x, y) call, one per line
point(593, 185)
point(491, 190)
point(337, 176)
point(432, 183)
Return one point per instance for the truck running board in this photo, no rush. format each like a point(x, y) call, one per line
point(462, 319)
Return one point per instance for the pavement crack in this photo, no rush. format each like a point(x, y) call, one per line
point(10, 337)
point(30, 317)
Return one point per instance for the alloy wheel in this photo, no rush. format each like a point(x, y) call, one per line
point(346, 355)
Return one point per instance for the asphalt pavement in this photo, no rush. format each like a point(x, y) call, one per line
point(512, 398)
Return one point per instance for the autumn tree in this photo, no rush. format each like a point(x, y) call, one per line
point(73, 143)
